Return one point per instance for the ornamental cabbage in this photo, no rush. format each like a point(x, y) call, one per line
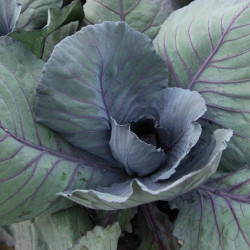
point(104, 90)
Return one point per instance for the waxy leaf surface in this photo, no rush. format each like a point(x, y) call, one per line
point(102, 71)
point(35, 163)
point(218, 211)
point(193, 171)
point(206, 46)
point(58, 231)
point(9, 13)
point(34, 13)
point(35, 40)
point(99, 238)
point(145, 16)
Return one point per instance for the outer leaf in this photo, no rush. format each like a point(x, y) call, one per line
point(58, 231)
point(191, 173)
point(9, 13)
point(145, 235)
point(57, 36)
point(136, 156)
point(159, 236)
point(102, 71)
point(35, 163)
point(206, 46)
point(100, 238)
point(104, 218)
point(36, 40)
point(34, 13)
point(218, 211)
point(145, 16)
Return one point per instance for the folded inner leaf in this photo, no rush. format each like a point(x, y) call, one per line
point(102, 71)
point(138, 157)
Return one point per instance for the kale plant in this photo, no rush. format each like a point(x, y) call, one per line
point(95, 113)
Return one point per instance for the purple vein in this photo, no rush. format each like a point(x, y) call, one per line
point(178, 82)
point(132, 85)
point(221, 24)
point(240, 26)
point(239, 185)
point(153, 19)
point(237, 221)
point(12, 155)
point(78, 99)
point(122, 14)
point(76, 116)
point(192, 45)
point(7, 13)
point(201, 200)
point(132, 8)
point(225, 195)
point(216, 219)
point(117, 45)
point(209, 33)
point(223, 82)
point(107, 7)
point(30, 109)
point(226, 67)
point(37, 189)
point(227, 109)
point(57, 200)
point(223, 126)
point(230, 57)
point(11, 115)
point(237, 38)
point(223, 94)
point(24, 184)
point(126, 78)
point(228, 175)
point(208, 60)
point(79, 79)
point(60, 154)
point(180, 57)
point(101, 73)
point(17, 107)
point(24, 169)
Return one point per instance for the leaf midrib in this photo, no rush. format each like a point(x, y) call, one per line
point(208, 60)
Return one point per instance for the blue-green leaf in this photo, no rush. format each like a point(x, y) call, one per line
point(206, 46)
point(135, 155)
point(145, 16)
point(192, 172)
point(9, 13)
point(34, 13)
point(102, 71)
point(35, 162)
point(216, 215)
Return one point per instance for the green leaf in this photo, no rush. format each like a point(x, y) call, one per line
point(99, 238)
point(9, 13)
point(58, 231)
point(57, 36)
point(104, 218)
point(102, 71)
point(35, 162)
point(36, 40)
point(34, 13)
point(206, 46)
point(216, 215)
point(194, 170)
point(155, 230)
point(145, 16)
